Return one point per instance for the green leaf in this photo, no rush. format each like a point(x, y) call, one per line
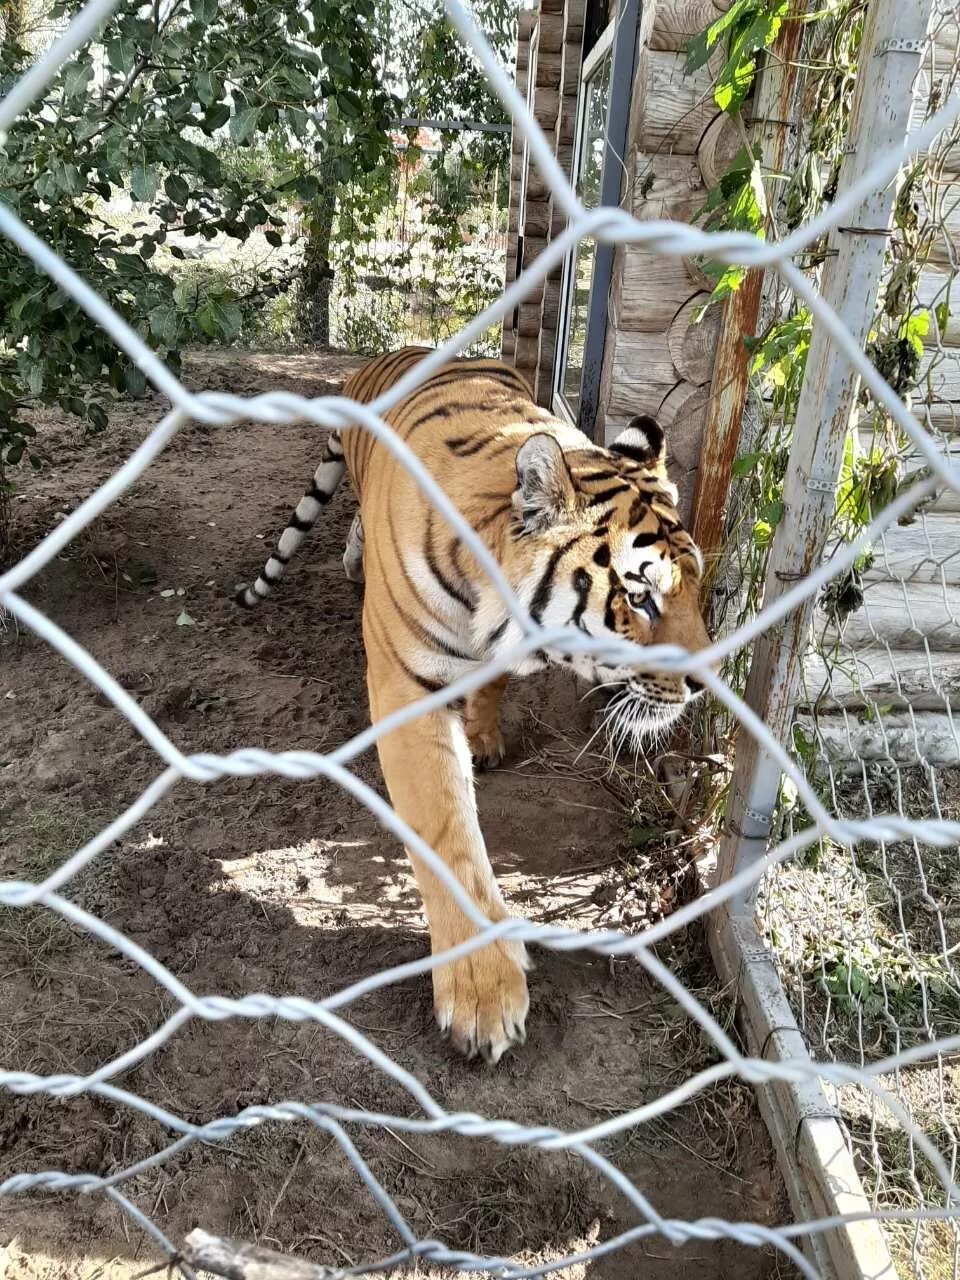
point(207, 88)
point(76, 77)
point(184, 619)
point(772, 512)
point(915, 329)
point(273, 238)
point(143, 182)
point(744, 465)
point(136, 381)
point(216, 117)
point(122, 54)
point(243, 124)
point(204, 10)
point(176, 188)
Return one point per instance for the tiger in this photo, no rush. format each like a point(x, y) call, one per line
point(586, 536)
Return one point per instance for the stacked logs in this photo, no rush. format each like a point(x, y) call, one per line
point(659, 354)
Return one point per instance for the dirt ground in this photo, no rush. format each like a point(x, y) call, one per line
point(292, 888)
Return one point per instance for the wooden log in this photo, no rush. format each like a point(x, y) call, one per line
point(844, 742)
point(885, 678)
point(693, 345)
point(720, 143)
point(653, 288)
point(640, 361)
point(676, 108)
point(928, 550)
point(675, 21)
point(570, 67)
point(528, 320)
point(537, 186)
point(537, 218)
point(550, 307)
point(933, 289)
point(549, 66)
point(667, 187)
point(234, 1260)
point(550, 38)
point(546, 104)
point(526, 353)
point(903, 617)
point(681, 414)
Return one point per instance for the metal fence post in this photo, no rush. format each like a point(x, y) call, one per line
point(814, 1157)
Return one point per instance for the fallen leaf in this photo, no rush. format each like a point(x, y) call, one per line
point(184, 620)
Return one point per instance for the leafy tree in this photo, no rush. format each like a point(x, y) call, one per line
point(153, 109)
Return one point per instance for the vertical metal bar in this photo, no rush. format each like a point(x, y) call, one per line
point(622, 71)
point(880, 115)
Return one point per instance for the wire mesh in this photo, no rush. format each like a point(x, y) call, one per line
point(865, 936)
point(892, 835)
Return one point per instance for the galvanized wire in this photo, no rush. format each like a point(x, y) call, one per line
point(830, 820)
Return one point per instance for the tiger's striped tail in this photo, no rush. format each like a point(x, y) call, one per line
point(326, 478)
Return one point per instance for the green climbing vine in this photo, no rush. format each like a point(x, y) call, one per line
point(750, 198)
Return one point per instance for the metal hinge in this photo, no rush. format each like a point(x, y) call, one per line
point(895, 45)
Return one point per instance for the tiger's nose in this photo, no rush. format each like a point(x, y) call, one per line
point(693, 684)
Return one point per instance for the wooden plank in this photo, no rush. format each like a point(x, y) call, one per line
point(641, 364)
point(928, 550)
point(933, 289)
point(946, 248)
point(939, 377)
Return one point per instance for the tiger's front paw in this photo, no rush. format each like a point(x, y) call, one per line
point(486, 746)
point(481, 1000)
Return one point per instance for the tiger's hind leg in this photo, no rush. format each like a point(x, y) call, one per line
point(481, 720)
point(353, 555)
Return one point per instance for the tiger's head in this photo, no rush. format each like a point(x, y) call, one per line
point(612, 557)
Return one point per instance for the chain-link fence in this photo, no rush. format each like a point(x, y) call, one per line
point(863, 854)
point(865, 936)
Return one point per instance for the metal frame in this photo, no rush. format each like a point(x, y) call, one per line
point(621, 33)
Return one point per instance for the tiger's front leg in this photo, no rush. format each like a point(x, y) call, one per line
point(480, 1000)
point(481, 720)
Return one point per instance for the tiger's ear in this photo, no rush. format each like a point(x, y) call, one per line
point(641, 441)
point(545, 489)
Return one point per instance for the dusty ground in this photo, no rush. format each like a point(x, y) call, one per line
point(262, 885)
